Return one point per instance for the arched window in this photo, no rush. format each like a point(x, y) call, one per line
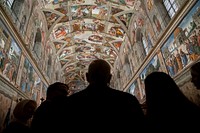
point(16, 8)
point(171, 7)
point(145, 45)
point(22, 24)
point(9, 3)
point(49, 64)
point(37, 46)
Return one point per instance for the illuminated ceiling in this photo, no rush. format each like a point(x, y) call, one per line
point(84, 30)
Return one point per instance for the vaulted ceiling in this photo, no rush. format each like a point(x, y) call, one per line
point(84, 30)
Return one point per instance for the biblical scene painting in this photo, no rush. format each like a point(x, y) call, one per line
point(30, 81)
point(10, 54)
point(183, 45)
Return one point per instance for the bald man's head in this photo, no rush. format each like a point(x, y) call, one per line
point(99, 72)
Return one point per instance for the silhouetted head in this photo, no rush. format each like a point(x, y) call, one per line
point(195, 73)
point(161, 90)
point(99, 72)
point(57, 89)
point(24, 110)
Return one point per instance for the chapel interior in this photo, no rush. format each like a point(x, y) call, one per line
point(45, 41)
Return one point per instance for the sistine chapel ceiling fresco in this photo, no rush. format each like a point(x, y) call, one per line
point(84, 30)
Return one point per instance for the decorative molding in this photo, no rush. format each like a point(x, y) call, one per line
point(10, 90)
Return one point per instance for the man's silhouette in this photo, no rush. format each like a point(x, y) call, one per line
point(100, 108)
point(49, 115)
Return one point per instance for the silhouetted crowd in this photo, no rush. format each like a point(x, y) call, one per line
point(99, 108)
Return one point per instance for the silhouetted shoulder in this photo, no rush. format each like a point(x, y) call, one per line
point(167, 107)
point(124, 96)
point(107, 93)
point(105, 107)
point(102, 107)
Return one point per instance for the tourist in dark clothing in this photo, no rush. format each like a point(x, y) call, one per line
point(99, 108)
point(23, 113)
point(195, 73)
point(168, 109)
point(48, 115)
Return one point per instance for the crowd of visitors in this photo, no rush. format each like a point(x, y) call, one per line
point(99, 107)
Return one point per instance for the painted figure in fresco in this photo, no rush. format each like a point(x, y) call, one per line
point(119, 32)
point(190, 49)
point(95, 38)
point(179, 61)
point(2, 43)
point(140, 21)
point(77, 25)
point(194, 42)
point(99, 27)
point(61, 31)
point(170, 67)
point(148, 38)
point(133, 36)
point(112, 31)
point(192, 26)
point(117, 44)
point(77, 12)
point(130, 2)
point(11, 54)
point(2, 59)
point(157, 24)
point(80, 1)
point(27, 80)
point(102, 13)
point(198, 38)
point(22, 24)
point(174, 62)
point(29, 84)
point(149, 4)
point(100, 2)
point(51, 18)
point(31, 43)
point(14, 75)
point(7, 69)
point(183, 57)
point(11, 72)
point(123, 19)
point(23, 80)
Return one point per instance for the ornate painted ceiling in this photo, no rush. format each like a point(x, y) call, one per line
point(84, 30)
